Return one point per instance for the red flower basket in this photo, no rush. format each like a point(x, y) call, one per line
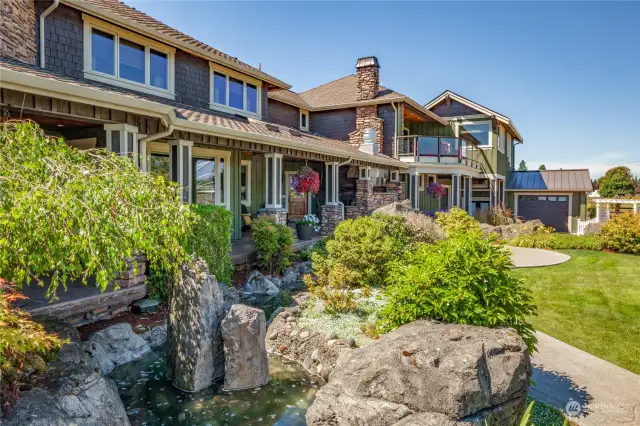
point(306, 181)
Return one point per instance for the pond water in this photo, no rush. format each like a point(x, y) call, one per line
point(150, 399)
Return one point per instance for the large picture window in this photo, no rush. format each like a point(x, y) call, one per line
point(233, 92)
point(478, 132)
point(208, 181)
point(122, 58)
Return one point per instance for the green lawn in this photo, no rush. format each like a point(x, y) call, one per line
point(591, 302)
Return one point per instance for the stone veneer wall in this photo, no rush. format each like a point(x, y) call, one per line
point(18, 30)
point(367, 200)
point(367, 117)
point(276, 215)
point(368, 82)
point(330, 217)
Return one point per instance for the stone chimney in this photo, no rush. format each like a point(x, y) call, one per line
point(368, 72)
point(18, 30)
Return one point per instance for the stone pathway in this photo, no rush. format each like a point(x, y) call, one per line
point(532, 258)
point(607, 394)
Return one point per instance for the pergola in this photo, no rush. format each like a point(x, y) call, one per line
point(603, 206)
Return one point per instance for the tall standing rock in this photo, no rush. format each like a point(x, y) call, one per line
point(243, 334)
point(195, 357)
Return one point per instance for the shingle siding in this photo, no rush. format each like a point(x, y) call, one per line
point(192, 80)
point(388, 114)
point(284, 114)
point(335, 124)
point(63, 39)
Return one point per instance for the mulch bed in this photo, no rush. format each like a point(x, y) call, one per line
point(144, 320)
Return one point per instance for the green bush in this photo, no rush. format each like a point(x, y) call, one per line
point(457, 220)
point(273, 243)
point(210, 239)
point(622, 233)
point(463, 279)
point(617, 182)
point(553, 241)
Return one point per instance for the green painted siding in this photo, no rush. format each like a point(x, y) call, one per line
point(429, 129)
point(234, 171)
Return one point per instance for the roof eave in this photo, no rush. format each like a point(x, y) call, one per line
point(106, 15)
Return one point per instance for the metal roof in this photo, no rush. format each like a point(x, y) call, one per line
point(550, 180)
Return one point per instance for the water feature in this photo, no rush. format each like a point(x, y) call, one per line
point(150, 399)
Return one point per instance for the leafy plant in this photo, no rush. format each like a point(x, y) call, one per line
point(622, 233)
point(553, 241)
point(23, 345)
point(617, 182)
point(457, 220)
point(500, 215)
point(310, 219)
point(592, 209)
point(210, 239)
point(463, 279)
point(273, 242)
point(70, 214)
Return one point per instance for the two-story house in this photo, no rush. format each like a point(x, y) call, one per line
point(101, 74)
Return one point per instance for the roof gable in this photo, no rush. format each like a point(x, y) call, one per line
point(453, 108)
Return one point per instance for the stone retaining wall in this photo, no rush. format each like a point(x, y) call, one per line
point(330, 217)
point(276, 215)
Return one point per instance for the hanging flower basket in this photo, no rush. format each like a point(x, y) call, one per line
point(435, 190)
point(306, 181)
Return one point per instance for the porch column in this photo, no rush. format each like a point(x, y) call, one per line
point(332, 183)
point(180, 167)
point(414, 192)
point(455, 189)
point(122, 139)
point(467, 193)
point(273, 189)
point(598, 211)
point(492, 193)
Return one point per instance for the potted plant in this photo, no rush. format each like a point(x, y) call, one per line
point(306, 226)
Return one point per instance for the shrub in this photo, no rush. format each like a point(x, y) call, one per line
point(499, 216)
point(422, 228)
point(272, 242)
point(622, 233)
point(463, 279)
point(592, 209)
point(210, 239)
point(23, 345)
point(617, 182)
point(75, 214)
point(552, 241)
point(457, 220)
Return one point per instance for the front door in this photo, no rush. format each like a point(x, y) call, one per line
point(297, 206)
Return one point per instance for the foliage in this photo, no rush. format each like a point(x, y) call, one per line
point(310, 219)
point(499, 215)
point(522, 167)
point(542, 167)
point(158, 282)
point(463, 279)
point(622, 233)
point(422, 228)
point(23, 344)
point(71, 214)
point(553, 241)
point(544, 414)
point(457, 220)
point(617, 182)
point(210, 239)
point(273, 243)
point(435, 190)
point(305, 254)
point(306, 181)
point(591, 210)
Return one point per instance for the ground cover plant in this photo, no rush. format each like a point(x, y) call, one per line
point(555, 241)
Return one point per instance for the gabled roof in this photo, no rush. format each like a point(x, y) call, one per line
point(550, 180)
point(480, 108)
point(289, 97)
point(31, 79)
point(128, 17)
point(343, 93)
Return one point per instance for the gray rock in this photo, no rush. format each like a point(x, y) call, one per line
point(117, 345)
point(290, 279)
point(230, 297)
point(195, 357)
point(243, 334)
point(592, 229)
point(330, 336)
point(426, 370)
point(276, 281)
point(258, 284)
point(72, 393)
point(157, 336)
point(304, 267)
point(395, 207)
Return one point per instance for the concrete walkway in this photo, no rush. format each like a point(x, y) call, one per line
point(533, 258)
point(607, 394)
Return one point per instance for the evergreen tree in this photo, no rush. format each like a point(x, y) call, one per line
point(542, 167)
point(522, 167)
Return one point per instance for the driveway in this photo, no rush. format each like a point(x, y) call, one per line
point(533, 258)
point(607, 394)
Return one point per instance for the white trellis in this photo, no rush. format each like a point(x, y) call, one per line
point(603, 210)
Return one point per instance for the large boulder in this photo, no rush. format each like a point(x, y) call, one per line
point(195, 357)
point(258, 284)
point(72, 393)
point(117, 345)
point(243, 334)
point(513, 230)
point(593, 228)
point(396, 207)
point(428, 373)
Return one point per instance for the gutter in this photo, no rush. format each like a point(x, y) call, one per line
point(43, 15)
point(168, 122)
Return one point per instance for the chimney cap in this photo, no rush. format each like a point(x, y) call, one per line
point(367, 61)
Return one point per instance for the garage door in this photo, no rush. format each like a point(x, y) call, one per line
point(551, 210)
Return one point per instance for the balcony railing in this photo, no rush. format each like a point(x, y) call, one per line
point(440, 149)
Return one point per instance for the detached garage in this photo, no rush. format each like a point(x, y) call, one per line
point(557, 197)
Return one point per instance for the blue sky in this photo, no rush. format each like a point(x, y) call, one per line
point(568, 74)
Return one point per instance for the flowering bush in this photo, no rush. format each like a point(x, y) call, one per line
point(311, 219)
point(435, 190)
point(306, 181)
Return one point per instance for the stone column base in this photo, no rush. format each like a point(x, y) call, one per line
point(330, 217)
point(276, 215)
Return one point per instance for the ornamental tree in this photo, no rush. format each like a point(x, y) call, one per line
point(69, 214)
point(617, 182)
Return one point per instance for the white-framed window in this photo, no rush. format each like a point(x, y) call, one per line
point(364, 173)
point(331, 183)
point(123, 139)
point(393, 176)
point(421, 187)
point(478, 131)
point(273, 181)
point(245, 183)
point(122, 58)
point(234, 92)
point(502, 139)
point(304, 119)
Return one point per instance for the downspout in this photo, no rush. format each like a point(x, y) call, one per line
point(340, 202)
point(166, 120)
point(43, 15)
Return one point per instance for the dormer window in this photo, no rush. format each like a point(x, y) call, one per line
point(304, 119)
point(116, 56)
point(234, 93)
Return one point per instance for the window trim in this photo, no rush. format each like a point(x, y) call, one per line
point(468, 122)
point(91, 23)
point(215, 68)
point(502, 131)
point(306, 113)
point(247, 164)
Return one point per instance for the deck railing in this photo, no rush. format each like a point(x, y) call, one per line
point(437, 147)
